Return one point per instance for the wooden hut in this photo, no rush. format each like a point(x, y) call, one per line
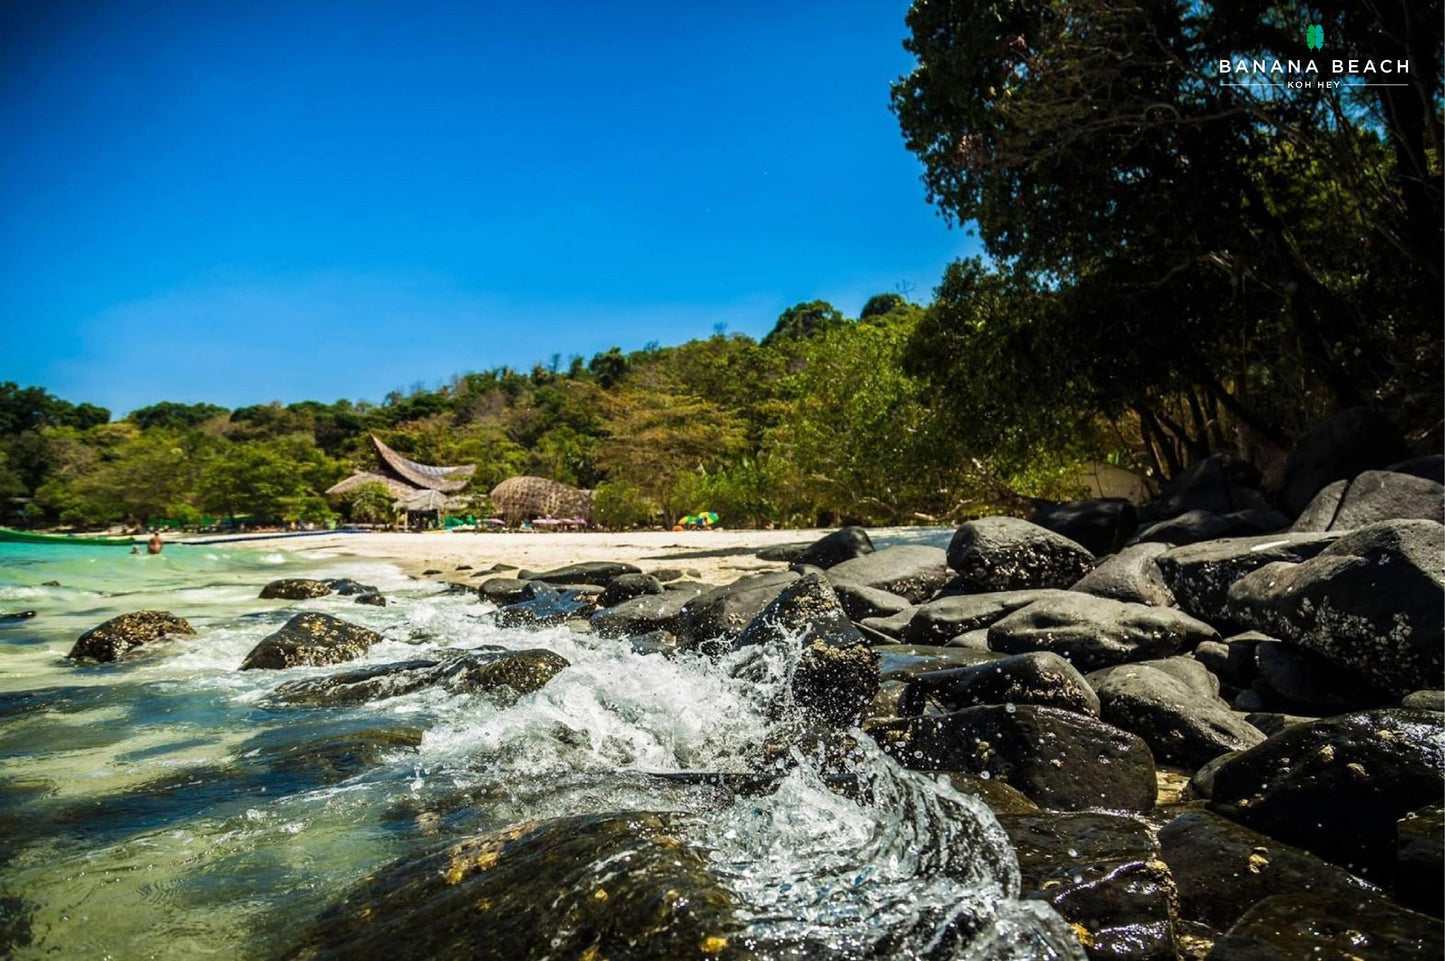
point(524, 498)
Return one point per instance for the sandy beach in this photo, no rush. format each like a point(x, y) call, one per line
point(716, 557)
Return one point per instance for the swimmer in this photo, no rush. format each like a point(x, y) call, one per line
point(153, 546)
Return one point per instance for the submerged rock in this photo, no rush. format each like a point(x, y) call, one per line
point(1009, 554)
point(547, 607)
point(1060, 759)
point(1337, 787)
point(311, 639)
point(501, 674)
point(295, 589)
point(1094, 632)
point(122, 634)
point(1372, 603)
point(594, 887)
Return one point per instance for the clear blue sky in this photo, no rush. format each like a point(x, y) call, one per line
point(242, 202)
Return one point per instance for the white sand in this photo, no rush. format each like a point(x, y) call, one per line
point(716, 557)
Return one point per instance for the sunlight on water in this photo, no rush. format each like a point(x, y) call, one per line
point(168, 806)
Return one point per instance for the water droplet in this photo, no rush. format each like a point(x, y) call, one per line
point(984, 775)
point(1073, 852)
point(1009, 707)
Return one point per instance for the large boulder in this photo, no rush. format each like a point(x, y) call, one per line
point(120, 635)
point(1094, 632)
point(1061, 759)
point(503, 591)
point(295, 589)
point(1102, 873)
point(1009, 554)
point(1223, 868)
point(715, 617)
point(1199, 575)
point(625, 587)
point(1193, 527)
point(1337, 787)
point(1296, 681)
point(597, 886)
point(1372, 497)
point(911, 571)
point(309, 640)
point(836, 674)
point(1345, 445)
point(1345, 925)
point(1037, 678)
point(944, 618)
point(833, 549)
point(599, 573)
point(1100, 525)
point(1181, 725)
point(1372, 603)
point(1130, 575)
point(641, 615)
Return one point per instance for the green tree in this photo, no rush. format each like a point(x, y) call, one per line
point(277, 479)
point(370, 503)
point(802, 321)
point(168, 415)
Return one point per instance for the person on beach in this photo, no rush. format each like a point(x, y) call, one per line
point(154, 545)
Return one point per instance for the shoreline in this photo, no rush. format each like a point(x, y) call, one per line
point(713, 557)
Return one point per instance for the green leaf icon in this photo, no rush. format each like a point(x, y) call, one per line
point(1314, 36)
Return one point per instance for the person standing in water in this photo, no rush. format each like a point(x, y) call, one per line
point(154, 545)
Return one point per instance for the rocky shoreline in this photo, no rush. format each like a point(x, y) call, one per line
point(1209, 729)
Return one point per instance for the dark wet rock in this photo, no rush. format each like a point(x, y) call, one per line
point(910, 571)
point(598, 573)
point(1201, 784)
point(625, 587)
point(1199, 575)
point(1036, 678)
point(1419, 879)
point(1061, 759)
point(864, 602)
point(1223, 868)
point(1272, 722)
point(1179, 724)
point(49, 583)
point(836, 675)
point(641, 615)
point(1232, 660)
point(546, 608)
point(1297, 681)
point(1000, 798)
point(687, 588)
point(1370, 498)
point(666, 574)
point(1431, 467)
point(120, 635)
point(596, 886)
point(1009, 554)
point(654, 642)
point(361, 686)
point(1425, 700)
point(1102, 873)
point(891, 626)
point(972, 640)
point(309, 640)
point(1184, 669)
point(1193, 527)
point(1130, 575)
point(17, 615)
point(841, 545)
point(371, 599)
point(1342, 447)
point(295, 589)
point(903, 661)
point(430, 571)
point(503, 591)
point(784, 553)
point(1372, 603)
point(346, 587)
point(1100, 525)
point(1348, 927)
point(721, 613)
point(944, 618)
point(1095, 632)
point(1336, 787)
point(502, 676)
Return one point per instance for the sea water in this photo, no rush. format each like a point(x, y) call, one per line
point(166, 807)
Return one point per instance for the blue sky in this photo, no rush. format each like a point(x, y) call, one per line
point(245, 202)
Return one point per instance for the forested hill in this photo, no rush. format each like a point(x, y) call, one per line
point(1175, 266)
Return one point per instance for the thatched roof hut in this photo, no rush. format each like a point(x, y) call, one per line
point(525, 498)
point(404, 477)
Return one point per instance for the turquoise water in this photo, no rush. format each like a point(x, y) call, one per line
point(163, 807)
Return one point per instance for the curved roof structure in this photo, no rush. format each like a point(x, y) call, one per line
point(524, 498)
point(445, 479)
point(395, 487)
